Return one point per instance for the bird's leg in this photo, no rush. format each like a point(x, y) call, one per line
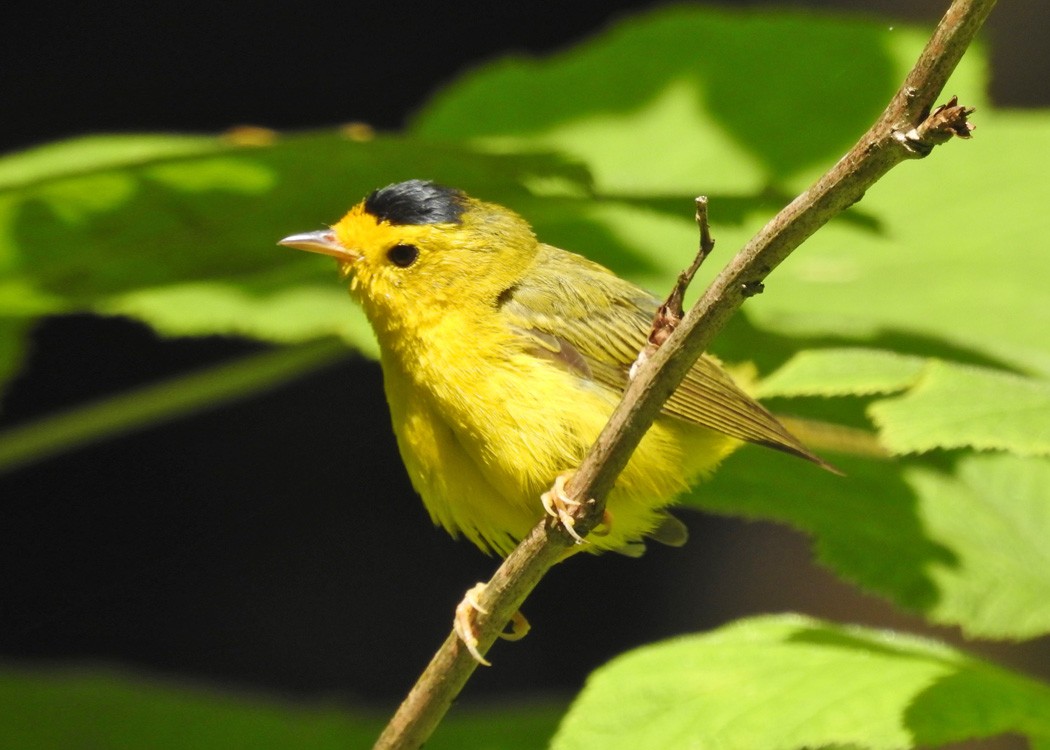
point(560, 506)
point(463, 624)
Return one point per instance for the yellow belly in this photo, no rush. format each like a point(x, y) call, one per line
point(480, 456)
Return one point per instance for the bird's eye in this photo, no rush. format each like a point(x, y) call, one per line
point(402, 256)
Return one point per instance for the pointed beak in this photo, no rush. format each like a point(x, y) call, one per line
point(322, 241)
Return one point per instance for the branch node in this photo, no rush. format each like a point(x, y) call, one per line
point(751, 288)
point(938, 127)
point(950, 119)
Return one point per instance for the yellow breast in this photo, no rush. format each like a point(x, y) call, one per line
point(484, 430)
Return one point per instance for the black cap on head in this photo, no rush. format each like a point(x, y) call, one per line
point(417, 202)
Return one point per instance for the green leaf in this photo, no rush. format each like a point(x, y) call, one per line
point(95, 153)
point(955, 406)
point(787, 682)
point(994, 517)
point(952, 261)
point(945, 405)
point(687, 99)
point(298, 313)
point(842, 372)
point(182, 233)
point(105, 710)
point(963, 545)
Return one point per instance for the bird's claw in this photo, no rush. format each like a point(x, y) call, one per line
point(560, 506)
point(464, 622)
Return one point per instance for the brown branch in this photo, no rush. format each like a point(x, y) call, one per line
point(905, 130)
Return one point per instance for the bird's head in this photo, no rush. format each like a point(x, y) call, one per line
point(416, 246)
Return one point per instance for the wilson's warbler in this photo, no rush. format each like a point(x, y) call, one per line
point(502, 359)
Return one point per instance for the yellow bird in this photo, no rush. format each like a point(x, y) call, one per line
point(502, 359)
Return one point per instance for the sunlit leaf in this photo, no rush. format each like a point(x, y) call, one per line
point(940, 404)
point(182, 233)
point(963, 544)
point(788, 682)
point(953, 260)
point(842, 372)
point(954, 406)
point(689, 99)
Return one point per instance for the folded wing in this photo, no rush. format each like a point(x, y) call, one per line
point(588, 320)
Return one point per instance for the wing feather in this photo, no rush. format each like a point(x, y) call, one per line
point(594, 323)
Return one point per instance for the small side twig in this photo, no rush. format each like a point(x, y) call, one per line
point(670, 313)
point(879, 150)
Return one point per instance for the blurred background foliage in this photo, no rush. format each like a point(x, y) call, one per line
point(200, 482)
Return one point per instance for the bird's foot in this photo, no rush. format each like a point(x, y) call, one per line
point(464, 624)
point(560, 506)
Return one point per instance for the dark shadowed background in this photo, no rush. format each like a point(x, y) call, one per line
point(228, 547)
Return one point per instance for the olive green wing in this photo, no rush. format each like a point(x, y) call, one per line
point(593, 323)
